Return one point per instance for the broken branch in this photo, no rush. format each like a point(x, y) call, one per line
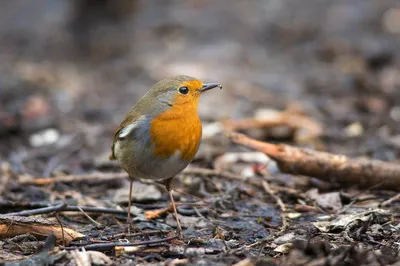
point(289, 118)
point(110, 245)
point(11, 226)
point(66, 208)
point(24, 180)
point(326, 166)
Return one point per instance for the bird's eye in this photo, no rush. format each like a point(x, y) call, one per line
point(183, 90)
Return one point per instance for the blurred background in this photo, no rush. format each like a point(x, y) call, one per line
point(70, 70)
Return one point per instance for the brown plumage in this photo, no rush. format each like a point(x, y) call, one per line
point(161, 134)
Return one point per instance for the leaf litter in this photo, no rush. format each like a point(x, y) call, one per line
point(311, 83)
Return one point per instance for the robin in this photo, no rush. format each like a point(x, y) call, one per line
point(161, 134)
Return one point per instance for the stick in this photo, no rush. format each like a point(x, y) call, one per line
point(104, 177)
point(62, 229)
point(278, 200)
point(87, 216)
point(44, 210)
point(6, 204)
point(65, 208)
point(231, 176)
point(247, 123)
point(6, 175)
point(143, 233)
point(110, 245)
point(280, 203)
point(391, 200)
point(285, 118)
point(326, 166)
point(11, 226)
point(95, 177)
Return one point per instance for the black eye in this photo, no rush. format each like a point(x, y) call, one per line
point(184, 90)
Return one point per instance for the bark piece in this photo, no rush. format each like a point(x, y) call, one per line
point(11, 226)
point(326, 166)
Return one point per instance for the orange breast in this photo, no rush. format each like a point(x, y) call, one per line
point(176, 130)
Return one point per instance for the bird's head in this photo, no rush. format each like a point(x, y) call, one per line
point(181, 90)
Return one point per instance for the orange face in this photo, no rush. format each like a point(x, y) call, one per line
point(180, 125)
point(188, 93)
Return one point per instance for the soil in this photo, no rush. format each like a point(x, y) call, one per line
point(70, 70)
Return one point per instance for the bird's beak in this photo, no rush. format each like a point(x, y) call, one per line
point(209, 86)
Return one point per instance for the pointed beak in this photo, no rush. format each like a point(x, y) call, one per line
point(209, 86)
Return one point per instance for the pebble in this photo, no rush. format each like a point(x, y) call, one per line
point(354, 130)
point(44, 137)
point(391, 21)
point(287, 238)
point(395, 113)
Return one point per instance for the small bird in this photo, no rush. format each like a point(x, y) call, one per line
point(161, 134)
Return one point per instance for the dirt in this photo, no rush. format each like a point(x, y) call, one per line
point(70, 70)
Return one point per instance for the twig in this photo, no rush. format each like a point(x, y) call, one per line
point(62, 229)
point(144, 233)
point(95, 177)
point(154, 214)
point(377, 243)
point(280, 203)
point(391, 200)
point(307, 208)
point(104, 177)
point(11, 226)
point(110, 245)
point(62, 208)
point(4, 204)
point(178, 262)
point(247, 123)
point(326, 166)
point(284, 226)
point(6, 175)
point(45, 210)
point(356, 200)
point(278, 200)
point(288, 118)
point(189, 212)
point(210, 172)
point(231, 176)
point(199, 213)
point(261, 250)
point(87, 216)
point(260, 242)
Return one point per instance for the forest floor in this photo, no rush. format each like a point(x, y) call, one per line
point(320, 75)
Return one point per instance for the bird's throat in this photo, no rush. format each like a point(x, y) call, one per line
point(176, 131)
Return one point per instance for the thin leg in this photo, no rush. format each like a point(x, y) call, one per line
point(178, 223)
point(129, 220)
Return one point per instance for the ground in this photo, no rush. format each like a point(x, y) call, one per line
point(70, 70)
